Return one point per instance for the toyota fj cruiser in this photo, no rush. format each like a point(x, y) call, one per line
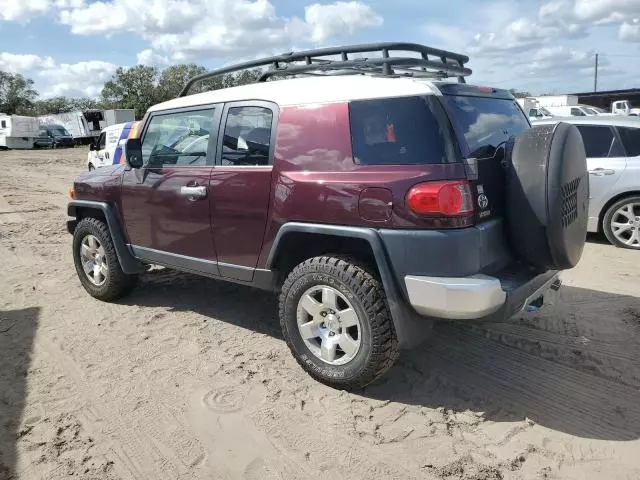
point(372, 193)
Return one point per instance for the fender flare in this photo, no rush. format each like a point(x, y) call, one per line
point(410, 327)
point(128, 262)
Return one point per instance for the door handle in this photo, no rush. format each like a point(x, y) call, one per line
point(598, 172)
point(106, 155)
point(194, 193)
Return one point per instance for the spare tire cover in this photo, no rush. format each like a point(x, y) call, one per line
point(548, 196)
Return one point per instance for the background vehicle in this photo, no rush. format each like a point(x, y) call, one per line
point(58, 135)
point(533, 108)
point(373, 203)
point(572, 111)
point(85, 126)
point(17, 131)
point(612, 145)
point(109, 146)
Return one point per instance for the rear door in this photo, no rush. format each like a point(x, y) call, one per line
point(241, 186)
point(483, 125)
point(111, 143)
point(165, 204)
point(100, 149)
point(606, 162)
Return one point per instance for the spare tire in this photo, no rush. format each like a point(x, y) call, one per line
point(547, 196)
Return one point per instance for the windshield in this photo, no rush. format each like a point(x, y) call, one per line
point(485, 123)
point(59, 132)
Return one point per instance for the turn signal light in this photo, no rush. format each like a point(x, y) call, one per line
point(449, 198)
point(72, 194)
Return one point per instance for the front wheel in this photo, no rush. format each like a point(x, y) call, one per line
point(621, 223)
point(335, 320)
point(97, 263)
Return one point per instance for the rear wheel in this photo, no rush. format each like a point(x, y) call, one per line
point(97, 263)
point(335, 320)
point(621, 223)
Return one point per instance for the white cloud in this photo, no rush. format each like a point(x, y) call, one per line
point(78, 79)
point(630, 31)
point(21, 62)
point(339, 19)
point(155, 16)
point(182, 29)
point(21, 10)
point(148, 57)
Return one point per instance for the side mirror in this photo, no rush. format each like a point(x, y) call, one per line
point(133, 153)
point(92, 147)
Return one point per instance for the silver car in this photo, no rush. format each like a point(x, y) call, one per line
point(612, 144)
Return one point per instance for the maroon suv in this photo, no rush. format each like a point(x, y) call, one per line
point(374, 195)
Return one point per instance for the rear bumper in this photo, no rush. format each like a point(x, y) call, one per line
point(478, 297)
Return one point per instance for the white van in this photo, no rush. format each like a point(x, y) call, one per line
point(17, 131)
point(108, 148)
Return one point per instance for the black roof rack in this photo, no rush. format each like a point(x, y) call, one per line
point(431, 63)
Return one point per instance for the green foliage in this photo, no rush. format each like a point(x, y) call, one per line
point(16, 93)
point(136, 87)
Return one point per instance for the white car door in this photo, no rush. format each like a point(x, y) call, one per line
point(606, 162)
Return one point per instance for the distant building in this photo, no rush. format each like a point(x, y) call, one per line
point(604, 99)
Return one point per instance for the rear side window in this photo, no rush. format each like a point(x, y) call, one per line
point(4, 124)
point(600, 142)
point(396, 131)
point(247, 137)
point(576, 112)
point(630, 140)
point(484, 123)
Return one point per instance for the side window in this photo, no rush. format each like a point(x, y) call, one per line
point(599, 141)
point(102, 141)
point(247, 136)
point(178, 139)
point(576, 112)
point(4, 124)
point(631, 140)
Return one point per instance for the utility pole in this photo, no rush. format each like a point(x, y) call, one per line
point(595, 79)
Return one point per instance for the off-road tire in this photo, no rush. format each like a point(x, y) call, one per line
point(379, 345)
point(118, 284)
point(606, 222)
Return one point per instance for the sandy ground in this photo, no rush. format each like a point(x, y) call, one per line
point(189, 378)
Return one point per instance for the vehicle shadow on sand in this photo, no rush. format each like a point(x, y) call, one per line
point(17, 332)
point(573, 367)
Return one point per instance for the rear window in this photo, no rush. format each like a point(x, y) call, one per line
point(631, 140)
point(397, 131)
point(485, 123)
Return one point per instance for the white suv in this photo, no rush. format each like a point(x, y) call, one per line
point(612, 144)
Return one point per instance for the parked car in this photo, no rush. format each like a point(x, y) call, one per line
point(42, 140)
point(60, 136)
point(572, 110)
point(108, 147)
point(612, 145)
point(372, 202)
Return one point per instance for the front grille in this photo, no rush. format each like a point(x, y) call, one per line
point(570, 201)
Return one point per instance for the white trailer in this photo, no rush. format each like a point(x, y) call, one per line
point(557, 100)
point(17, 131)
point(86, 126)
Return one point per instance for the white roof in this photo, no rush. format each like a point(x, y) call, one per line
point(615, 120)
point(309, 90)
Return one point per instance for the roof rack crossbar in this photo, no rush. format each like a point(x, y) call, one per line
point(449, 65)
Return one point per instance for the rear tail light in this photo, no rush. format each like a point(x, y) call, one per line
point(441, 198)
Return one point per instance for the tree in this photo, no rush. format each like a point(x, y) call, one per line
point(173, 79)
point(134, 87)
point(16, 93)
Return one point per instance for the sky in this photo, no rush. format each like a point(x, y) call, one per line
point(71, 47)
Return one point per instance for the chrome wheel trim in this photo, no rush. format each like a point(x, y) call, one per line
point(329, 325)
point(625, 224)
point(93, 259)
